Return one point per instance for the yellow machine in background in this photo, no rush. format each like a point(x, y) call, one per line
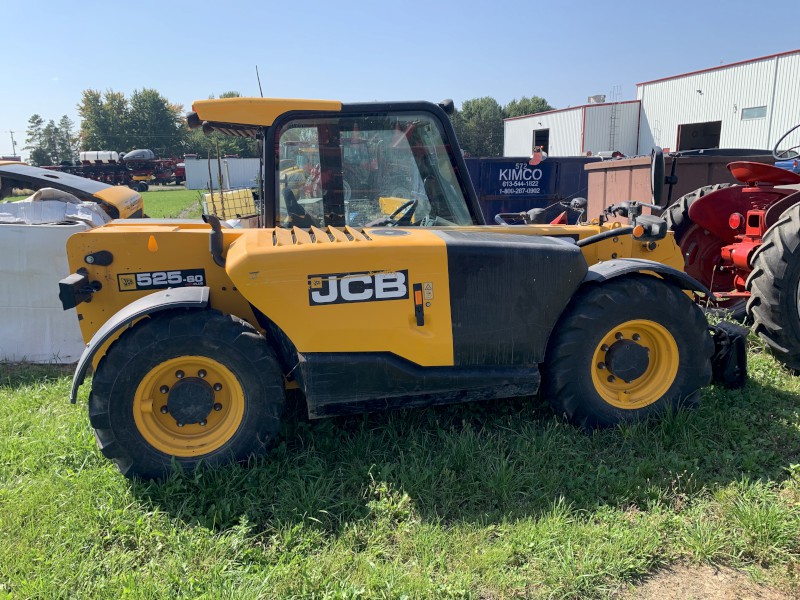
point(380, 286)
point(119, 202)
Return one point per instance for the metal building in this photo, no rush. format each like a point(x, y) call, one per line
point(605, 127)
point(748, 104)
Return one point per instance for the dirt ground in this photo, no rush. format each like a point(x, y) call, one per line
point(702, 583)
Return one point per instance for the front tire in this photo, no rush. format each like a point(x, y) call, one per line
point(189, 387)
point(625, 350)
point(774, 286)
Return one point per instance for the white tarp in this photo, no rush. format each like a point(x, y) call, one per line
point(33, 236)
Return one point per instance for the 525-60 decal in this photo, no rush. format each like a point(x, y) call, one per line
point(159, 280)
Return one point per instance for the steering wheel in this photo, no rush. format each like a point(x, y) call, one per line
point(406, 211)
point(784, 154)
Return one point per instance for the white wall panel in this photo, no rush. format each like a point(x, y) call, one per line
point(33, 325)
point(236, 173)
point(597, 128)
point(721, 95)
point(565, 132)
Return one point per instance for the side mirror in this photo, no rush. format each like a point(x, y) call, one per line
point(657, 175)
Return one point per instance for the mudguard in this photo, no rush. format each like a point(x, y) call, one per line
point(186, 297)
point(729, 363)
point(607, 270)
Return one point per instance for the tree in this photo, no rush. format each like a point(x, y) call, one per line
point(50, 144)
point(33, 142)
point(105, 121)
point(526, 106)
point(155, 123)
point(479, 126)
point(68, 141)
point(479, 123)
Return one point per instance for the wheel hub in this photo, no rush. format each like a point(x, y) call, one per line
point(190, 401)
point(627, 360)
point(634, 364)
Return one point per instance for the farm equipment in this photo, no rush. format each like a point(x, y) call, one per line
point(117, 202)
point(363, 302)
point(741, 241)
point(136, 169)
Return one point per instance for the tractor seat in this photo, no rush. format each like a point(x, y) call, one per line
point(754, 173)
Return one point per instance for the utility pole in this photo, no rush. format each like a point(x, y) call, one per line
point(13, 144)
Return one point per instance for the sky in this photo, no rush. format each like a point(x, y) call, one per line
point(359, 51)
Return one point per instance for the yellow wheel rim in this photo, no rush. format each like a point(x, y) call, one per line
point(195, 389)
point(661, 364)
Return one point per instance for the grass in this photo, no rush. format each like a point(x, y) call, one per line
point(488, 500)
point(173, 203)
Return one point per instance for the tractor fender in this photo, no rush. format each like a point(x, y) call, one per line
point(607, 270)
point(186, 297)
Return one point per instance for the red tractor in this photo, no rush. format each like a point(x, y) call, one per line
point(743, 242)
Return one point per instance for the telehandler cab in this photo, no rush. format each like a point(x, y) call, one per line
point(380, 286)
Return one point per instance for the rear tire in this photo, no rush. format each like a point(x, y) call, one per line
point(700, 258)
point(189, 387)
point(774, 286)
point(637, 328)
point(677, 213)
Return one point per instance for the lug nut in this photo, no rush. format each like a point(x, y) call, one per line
point(179, 374)
point(202, 373)
point(203, 423)
point(217, 406)
point(163, 389)
point(179, 424)
point(217, 387)
point(636, 337)
point(611, 379)
point(164, 410)
point(604, 347)
point(601, 365)
point(619, 336)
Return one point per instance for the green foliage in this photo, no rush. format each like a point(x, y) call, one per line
point(51, 144)
point(526, 106)
point(155, 123)
point(496, 499)
point(479, 127)
point(148, 120)
point(479, 122)
point(105, 121)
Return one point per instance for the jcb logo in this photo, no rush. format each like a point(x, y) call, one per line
point(339, 288)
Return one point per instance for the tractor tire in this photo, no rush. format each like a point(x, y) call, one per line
point(678, 221)
point(188, 387)
point(774, 286)
point(627, 350)
point(677, 213)
point(142, 187)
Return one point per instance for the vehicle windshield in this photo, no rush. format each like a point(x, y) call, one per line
point(385, 170)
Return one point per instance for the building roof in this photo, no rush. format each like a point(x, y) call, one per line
point(558, 110)
point(717, 68)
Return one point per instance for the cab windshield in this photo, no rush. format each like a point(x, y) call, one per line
point(380, 170)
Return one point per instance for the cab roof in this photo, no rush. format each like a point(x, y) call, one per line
point(242, 116)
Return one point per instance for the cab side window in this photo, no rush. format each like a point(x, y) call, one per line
point(384, 170)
